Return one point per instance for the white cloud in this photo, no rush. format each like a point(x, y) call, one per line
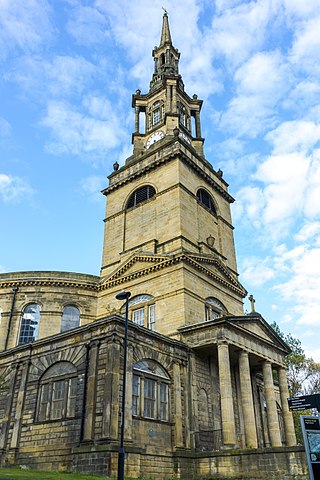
point(240, 31)
point(87, 25)
point(257, 271)
point(260, 84)
point(24, 25)
point(92, 186)
point(78, 132)
point(14, 189)
point(5, 128)
point(305, 52)
point(63, 75)
point(309, 231)
point(293, 136)
point(302, 288)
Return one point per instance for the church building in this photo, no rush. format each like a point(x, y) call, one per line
point(206, 386)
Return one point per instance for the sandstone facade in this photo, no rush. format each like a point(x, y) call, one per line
point(206, 391)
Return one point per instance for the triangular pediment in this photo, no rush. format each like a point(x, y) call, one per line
point(214, 267)
point(136, 264)
point(257, 326)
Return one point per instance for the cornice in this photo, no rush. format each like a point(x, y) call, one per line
point(119, 278)
point(175, 152)
point(48, 283)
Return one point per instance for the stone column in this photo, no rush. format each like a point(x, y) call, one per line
point(19, 407)
point(226, 396)
point(174, 99)
point(287, 415)
point(168, 98)
point(250, 430)
point(136, 119)
point(178, 437)
point(272, 414)
point(198, 128)
point(110, 422)
point(91, 393)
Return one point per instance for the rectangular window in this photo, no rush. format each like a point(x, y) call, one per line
point(135, 394)
point(163, 410)
point(152, 317)
point(149, 398)
point(58, 399)
point(138, 316)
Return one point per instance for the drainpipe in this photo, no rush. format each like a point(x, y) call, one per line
point(15, 289)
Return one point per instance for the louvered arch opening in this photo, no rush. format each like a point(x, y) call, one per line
point(205, 198)
point(141, 195)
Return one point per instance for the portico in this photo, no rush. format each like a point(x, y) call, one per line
point(251, 379)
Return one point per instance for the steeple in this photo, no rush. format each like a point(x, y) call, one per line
point(165, 34)
point(166, 57)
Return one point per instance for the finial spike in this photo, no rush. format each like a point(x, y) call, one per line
point(165, 34)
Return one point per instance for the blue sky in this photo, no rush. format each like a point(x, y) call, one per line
point(68, 69)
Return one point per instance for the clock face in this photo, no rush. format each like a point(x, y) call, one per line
point(154, 138)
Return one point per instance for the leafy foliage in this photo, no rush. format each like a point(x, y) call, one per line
point(303, 372)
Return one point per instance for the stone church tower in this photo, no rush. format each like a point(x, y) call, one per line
point(168, 230)
point(206, 387)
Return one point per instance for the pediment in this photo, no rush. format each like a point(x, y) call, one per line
point(214, 267)
point(256, 325)
point(137, 263)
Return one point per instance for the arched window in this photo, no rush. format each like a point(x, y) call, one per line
point(70, 318)
point(155, 113)
point(205, 198)
point(150, 391)
point(58, 392)
point(183, 116)
point(142, 311)
point(30, 321)
point(214, 308)
point(141, 195)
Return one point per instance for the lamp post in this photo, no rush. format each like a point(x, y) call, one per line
point(123, 296)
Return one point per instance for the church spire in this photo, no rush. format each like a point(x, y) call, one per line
point(166, 57)
point(165, 34)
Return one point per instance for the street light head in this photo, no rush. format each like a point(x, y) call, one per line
point(123, 295)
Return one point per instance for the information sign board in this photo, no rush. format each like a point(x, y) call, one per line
point(311, 437)
point(305, 402)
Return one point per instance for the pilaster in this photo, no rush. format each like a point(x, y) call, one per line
point(91, 392)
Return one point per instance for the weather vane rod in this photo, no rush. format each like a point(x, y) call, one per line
point(165, 10)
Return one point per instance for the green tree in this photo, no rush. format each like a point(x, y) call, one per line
point(303, 375)
point(303, 372)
